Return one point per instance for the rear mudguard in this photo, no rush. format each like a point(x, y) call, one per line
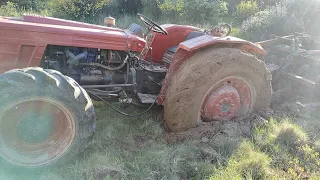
point(188, 48)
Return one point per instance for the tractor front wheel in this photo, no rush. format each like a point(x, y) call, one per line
point(46, 118)
point(216, 84)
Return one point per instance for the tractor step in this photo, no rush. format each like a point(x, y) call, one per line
point(147, 98)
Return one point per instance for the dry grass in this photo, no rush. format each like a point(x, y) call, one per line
point(134, 148)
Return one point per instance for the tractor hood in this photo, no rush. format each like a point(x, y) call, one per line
point(38, 30)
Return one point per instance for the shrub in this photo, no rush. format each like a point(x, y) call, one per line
point(267, 3)
point(246, 163)
point(246, 9)
point(207, 9)
point(310, 157)
point(286, 144)
point(232, 4)
point(306, 11)
point(131, 6)
point(290, 135)
point(9, 9)
point(286, 17)
point(80, 10)
point(31, 5)
point(194, 11)
point(173, 8)
point(273, 20)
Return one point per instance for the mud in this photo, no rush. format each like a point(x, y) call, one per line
point(242, 127)
point(239, 127)
point(190, 84)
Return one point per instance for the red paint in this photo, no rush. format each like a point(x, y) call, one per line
point(63, 22)
point(189, 48)
point(221, 104)
point(176, 34)
point(16, 36)
point(207, 40)
point(22, 43)
point(233, 92)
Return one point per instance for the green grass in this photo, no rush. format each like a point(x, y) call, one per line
point(245, 163)
point(135, 148)
point(278, 150)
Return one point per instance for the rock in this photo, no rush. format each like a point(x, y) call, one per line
point(205, 140)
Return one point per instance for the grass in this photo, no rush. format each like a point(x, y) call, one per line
point(278, 150)
point(135, 148)
point(246, 163)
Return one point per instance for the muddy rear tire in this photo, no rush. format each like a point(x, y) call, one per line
point(207, 76)
point(46, 118)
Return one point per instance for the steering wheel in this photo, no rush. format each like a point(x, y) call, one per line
point(221, 30)
point(153, 26)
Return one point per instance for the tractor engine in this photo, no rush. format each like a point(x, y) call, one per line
point(88, 66)
point(105, 67)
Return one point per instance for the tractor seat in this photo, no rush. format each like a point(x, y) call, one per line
point(168, 55)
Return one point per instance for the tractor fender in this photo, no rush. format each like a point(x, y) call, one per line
point(188, 48)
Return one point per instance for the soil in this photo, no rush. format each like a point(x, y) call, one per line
point(190, 84)
point(242, 127)
point(239, 127)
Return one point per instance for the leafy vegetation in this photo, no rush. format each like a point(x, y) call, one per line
point(134, 148)
point(259, 18)
point(82, 10)
point(245, 163)
point(277, 150)
point(284, 18)
point(246, 9)
point(9, 9)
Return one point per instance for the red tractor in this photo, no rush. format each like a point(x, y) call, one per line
point(49, 66)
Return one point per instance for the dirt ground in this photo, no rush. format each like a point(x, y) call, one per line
point(242, 127)
point(209, 130)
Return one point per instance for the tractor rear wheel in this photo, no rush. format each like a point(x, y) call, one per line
point(46, 118)
point(216, 84)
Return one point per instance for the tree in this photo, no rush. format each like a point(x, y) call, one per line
point(80, 10)
point(34, 5)
point(130, 6)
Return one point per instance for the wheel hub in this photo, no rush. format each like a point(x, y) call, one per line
point(35, 132)
point(35, 128)
point(222, 104)
point(227, 99)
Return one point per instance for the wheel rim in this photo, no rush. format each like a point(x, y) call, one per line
point(35, 132)
point(229, 98)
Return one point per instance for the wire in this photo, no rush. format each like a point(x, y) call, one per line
point(123, 113)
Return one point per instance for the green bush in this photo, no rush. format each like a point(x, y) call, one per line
point(232, 4)
point(9, 9)
point(246, 9)
point(194, 11)
point(290, 135)
point(246, 163)
point(80, 10)
point(204, 10)
point(286, 17)
point(31, 5)
point(307, 12)
point(273, 20)
point(173, 7)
